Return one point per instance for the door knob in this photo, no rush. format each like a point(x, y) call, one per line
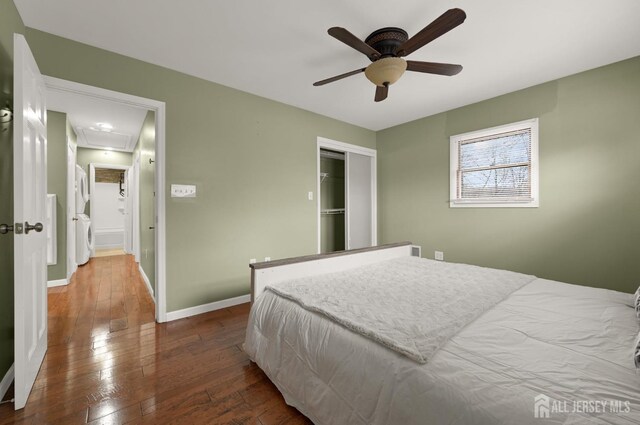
point(29, 227)
point(75, 219)
point(5, 228)
point(151, 228)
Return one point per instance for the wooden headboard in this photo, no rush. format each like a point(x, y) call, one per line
point(268, 272)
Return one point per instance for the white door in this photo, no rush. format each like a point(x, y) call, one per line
point(359, 201)
point(127, 211)
point(30, 244)
point(135, 207)
point(72, 265)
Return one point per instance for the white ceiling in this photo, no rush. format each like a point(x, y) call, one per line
point(86, 113)
point(278, 48)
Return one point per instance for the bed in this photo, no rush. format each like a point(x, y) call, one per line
point(539, 352)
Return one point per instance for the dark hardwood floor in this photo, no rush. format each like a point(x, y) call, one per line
point(108, 362)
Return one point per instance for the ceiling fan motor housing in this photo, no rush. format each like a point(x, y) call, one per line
point(387, 40)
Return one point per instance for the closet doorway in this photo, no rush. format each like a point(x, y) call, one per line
point(346, 191)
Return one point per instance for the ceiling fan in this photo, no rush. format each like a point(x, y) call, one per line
point(386, 47)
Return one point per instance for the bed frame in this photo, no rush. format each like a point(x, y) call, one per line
point(269, 272)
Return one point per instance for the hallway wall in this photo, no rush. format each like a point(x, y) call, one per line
point(57, 184)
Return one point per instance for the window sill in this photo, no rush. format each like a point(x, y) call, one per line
point(494, 203)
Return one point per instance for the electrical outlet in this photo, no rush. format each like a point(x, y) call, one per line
point(267, 258)
point(439, 256)
point(251, 261)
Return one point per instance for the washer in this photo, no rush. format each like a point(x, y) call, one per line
point(84, 239)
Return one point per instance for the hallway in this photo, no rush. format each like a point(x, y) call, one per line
point(108, 362)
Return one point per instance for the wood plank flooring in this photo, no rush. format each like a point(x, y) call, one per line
point(108, 362)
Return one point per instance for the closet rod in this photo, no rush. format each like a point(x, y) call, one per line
point(332, 211)
point(331, 154)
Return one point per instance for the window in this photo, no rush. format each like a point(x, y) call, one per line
point(496, 167)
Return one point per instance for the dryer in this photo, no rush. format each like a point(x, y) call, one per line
point(84, 239)
point(82, 190)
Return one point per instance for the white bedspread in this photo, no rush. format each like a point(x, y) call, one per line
point(411, 305)
point(569, 343)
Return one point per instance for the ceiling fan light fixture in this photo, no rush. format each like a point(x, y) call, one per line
point(386, 70)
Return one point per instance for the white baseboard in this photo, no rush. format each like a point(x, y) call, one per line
point(205, 308)
point(59, 282)
point(6, 381)
point(147, 282)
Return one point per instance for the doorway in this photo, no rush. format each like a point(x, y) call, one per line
point(157, 220)
point(346, 188)
point(110, 200)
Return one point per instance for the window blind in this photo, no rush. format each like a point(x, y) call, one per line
point(495, 167)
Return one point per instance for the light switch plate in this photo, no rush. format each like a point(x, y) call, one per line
point(183, 191)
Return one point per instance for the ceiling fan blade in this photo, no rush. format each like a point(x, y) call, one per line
point(338, 77)
point(352, 41)
point(445, 23)
point(381, 92)
point(434, 67)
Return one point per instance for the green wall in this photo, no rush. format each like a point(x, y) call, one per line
point(86, 156)
point(587, 228)
point(253, 161)
point(57, 184)
point(10, 22)
point(147, 149)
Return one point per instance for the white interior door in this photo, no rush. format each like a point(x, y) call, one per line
point(127, 212)
point(135, 207)
point(30, 244)
point(72, 265)
point(359, 201)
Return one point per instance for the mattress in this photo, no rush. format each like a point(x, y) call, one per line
point(549, 353)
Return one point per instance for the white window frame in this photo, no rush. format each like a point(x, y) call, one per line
point(454, 141)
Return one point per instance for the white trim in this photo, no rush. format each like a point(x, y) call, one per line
point(205, 308)
point(70, 212)
point(161, 233)
point(454, 141)
point(7, 380)
point(159, 109)
point(59, 282)
point(345, 147)
point(324, 143)
point(147, 282)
